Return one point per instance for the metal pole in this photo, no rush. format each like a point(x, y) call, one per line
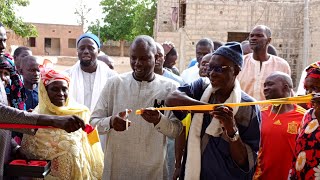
point(98, 23)
point(306, 38)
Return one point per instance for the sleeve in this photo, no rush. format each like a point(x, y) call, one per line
point(258, 170)
point(169, 125)
point(285, 66)
point(250, 136)
point(11, 115)
point(194, 90)
point(301, 90)
point(14, 116)
point(100, 117)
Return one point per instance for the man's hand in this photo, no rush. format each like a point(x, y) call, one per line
point(225, 115)
point(68, 123)
point(118, 122)
point(151, 116)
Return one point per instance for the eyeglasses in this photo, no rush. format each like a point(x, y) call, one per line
point(217, 69)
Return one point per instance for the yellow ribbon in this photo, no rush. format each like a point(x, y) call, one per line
point(187, 120)
point(93, 137)
point(209, 107)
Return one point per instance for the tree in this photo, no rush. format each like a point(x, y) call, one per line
point(145, 14)
point(10, 20)
point(125, 19)
point(82, 11)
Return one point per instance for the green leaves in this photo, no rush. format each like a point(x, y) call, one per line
point(125, 19)
point(10, 20)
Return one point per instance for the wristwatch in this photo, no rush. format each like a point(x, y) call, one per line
point(234, 137)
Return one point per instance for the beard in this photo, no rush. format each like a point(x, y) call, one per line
point(85, 63)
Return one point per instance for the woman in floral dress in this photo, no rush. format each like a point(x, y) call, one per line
point(306, 164)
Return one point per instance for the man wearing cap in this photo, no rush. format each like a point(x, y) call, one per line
point(88, 75)
point(203, 47)
point(222, 143)
point(260, 64)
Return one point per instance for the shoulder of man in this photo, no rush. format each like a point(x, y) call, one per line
point(72, 68)
point(167, 81)
point(106, 69)
point(279, 59)
point(246, 58)
point(188, 70)
point(265, 108)
point(300, 110)
point(173, 76)
point(246, 97)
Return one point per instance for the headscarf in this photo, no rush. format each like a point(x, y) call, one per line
point(49, 75)
point(86, 161)
point(16, 91)
point(313, 70)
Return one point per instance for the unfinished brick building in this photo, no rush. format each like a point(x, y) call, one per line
point(294, 23)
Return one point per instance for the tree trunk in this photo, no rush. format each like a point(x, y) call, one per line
point(121, 48)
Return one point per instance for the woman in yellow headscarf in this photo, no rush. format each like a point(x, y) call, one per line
point(71, 154)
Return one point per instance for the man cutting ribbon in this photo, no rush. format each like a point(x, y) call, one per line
point(223, 143)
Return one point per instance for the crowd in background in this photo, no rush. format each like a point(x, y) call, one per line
point(280, 141)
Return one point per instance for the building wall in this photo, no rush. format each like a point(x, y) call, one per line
point(314, 53)
point(214, 19)
point(56, 31)
point(59, 34)
point(14, 41)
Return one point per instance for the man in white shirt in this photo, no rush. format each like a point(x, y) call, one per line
point(138, 151)
point(203, 47)
point(88, 75)
point(257, 66)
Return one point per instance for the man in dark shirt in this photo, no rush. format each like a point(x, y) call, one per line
point(222, 143)
point(30, 72)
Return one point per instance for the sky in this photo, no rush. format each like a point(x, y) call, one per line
point(57, 11)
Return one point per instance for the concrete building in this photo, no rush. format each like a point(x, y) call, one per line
point(294, 24)
point(52, 40)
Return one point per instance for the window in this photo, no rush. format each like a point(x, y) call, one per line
point(32, 42)
point(238, 36)
point(182, 13)
point(47, 42)
point(71, 43)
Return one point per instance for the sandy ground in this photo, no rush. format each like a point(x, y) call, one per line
point(122, 64)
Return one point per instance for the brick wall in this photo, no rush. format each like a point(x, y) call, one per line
point(59, 34)
point(214, 19)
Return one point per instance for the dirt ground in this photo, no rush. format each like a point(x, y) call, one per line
point(122, 64)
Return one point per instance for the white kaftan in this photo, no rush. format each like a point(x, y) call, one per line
point(139, 152)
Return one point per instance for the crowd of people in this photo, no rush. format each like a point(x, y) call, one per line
point(279, 141)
